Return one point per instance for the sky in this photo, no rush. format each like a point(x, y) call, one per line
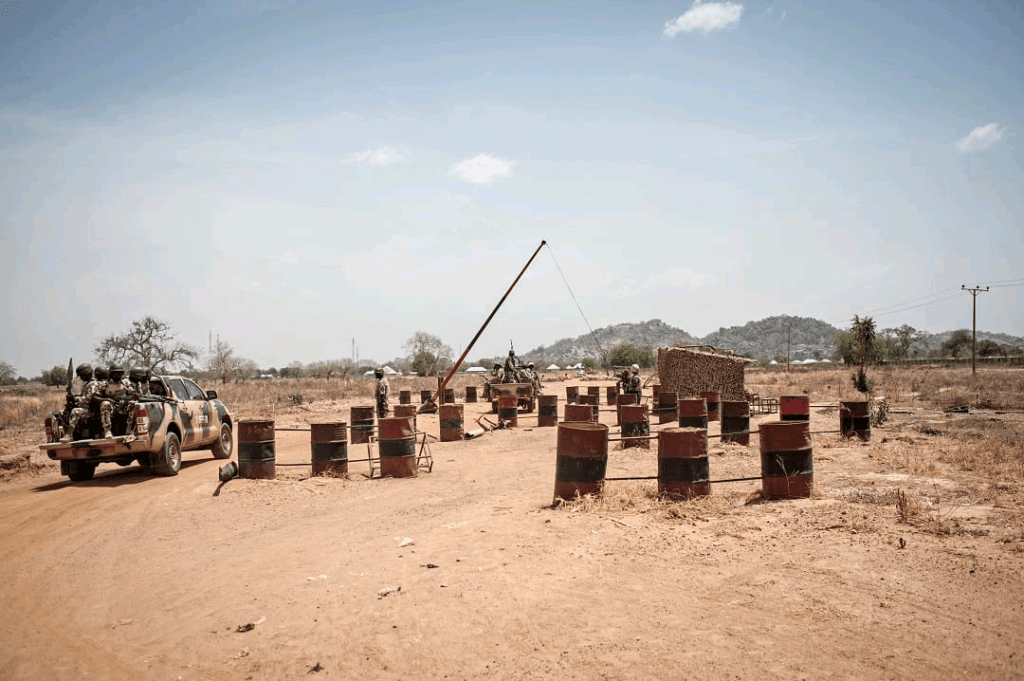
point(311, 180)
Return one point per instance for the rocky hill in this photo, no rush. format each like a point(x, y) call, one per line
point(808, 338)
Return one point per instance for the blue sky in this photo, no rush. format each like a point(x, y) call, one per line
point(294, 175)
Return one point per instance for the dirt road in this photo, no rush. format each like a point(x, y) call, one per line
point(468, 573)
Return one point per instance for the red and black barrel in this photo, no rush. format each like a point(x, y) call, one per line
point(547, 411)
point(855, 419)
point(396, 442)
point(787, 459)
point(668, 407)
point(361, 419)
point(580, 412)
point(470, 393)
point(611, 393)
point(406, 411)
point(571, 393)
point(794, 408)
point(450, 416)
point(582, 459)
point(713, 398)
point(683, 471)
point(328, 443)
point(256, 452)
point(635, 425)
point(693, 413)
point(449, 396)
point(425, 396)
point(623, 399)
point(736, 421)
point(405, 397)
point(508, 409)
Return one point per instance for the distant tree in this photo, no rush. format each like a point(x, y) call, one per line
point(427, 354)
point(227, 366)
point(959, 342)
point(8, 374)
point(906, 337)
point(294, 369)
point(627, 354)
point(862, 330)
point(845, 350)
point(589, 363)
point(58, 375)
point(988, 348)
point(148, 343)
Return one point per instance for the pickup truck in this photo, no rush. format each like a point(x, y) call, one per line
point(152, 429)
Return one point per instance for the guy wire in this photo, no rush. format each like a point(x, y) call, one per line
point(593, 335)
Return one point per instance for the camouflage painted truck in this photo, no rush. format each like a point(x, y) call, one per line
point(152, 429)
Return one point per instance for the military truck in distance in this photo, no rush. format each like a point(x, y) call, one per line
point(154, 429)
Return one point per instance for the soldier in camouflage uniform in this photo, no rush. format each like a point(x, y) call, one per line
point(120, 390)
point(139, 379)
point(534, 378)
point(383, 389)
point(94, 390)
point(635, 385)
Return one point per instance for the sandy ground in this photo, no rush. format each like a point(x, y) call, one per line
point(467, 572)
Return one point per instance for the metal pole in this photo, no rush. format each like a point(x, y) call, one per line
point(455, 367)
point(974, 323)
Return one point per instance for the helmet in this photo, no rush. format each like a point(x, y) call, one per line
point(635, 368)
point(497, 365)
point(116, 372)
point(379, 373)
point(530, 365)
point(101, 373)
point(511, 353)
point(136, 374)
point(84, 371)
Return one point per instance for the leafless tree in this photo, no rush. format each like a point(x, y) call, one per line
point(148, 343)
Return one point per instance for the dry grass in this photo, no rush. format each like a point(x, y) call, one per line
point(28, 404)
point(643, 498)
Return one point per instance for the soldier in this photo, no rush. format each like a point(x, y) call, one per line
point(93, 391)
point(624, 382)
point(383, 407)
point(635, 386)
point(140, 380)
point(510, 368)
point(120, 390)
point(534, 379)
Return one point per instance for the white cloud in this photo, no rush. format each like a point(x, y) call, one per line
point(482, 169)
point(982, 137)
point(380, 157)
point(705, 17)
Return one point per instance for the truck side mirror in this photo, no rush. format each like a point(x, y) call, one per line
point(211, 394)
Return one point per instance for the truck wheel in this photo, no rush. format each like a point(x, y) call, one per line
point(80, 471)
point(170, 460)
point(225, 444)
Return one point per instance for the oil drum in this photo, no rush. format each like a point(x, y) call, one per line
point(396, 441)
point(328, 444)
point(787, 459)
point(683, 463)
point(256, 451)
point(582, 459)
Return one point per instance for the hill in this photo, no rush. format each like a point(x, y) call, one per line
point(807, 338)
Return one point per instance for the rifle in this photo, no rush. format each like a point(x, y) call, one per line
point(69, 400)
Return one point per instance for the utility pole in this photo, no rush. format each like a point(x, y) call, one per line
point(974, 323)
point(789, 336)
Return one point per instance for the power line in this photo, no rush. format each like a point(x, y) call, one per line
point(593, 335)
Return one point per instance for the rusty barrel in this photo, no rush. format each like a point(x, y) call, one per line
point(855, 419)
point(635, 425)
point(256, 453)
point(407, 411)
point(655, 392)
point(396, 443)
point(588, 399)
point(787, 459)
point(361, 419)
point(328, 444)
point(470, 393)
point(594, 391)
point(736, 422)
point(580, 412)
point(693, 413)
point(713, 399)
point(623, 398)
point(405, 397)
point(425, 396)
point(683, 463)
point(582, 459)
point(571, 393)
point(668, 407)
point(794, 408)
point(449, 396)
point(547, 411)
point(451, 422)
point(611, 394)
point(486, 397)
point(508, 409)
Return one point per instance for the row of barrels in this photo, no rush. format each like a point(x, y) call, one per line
point(787, 460)
point(448, 397)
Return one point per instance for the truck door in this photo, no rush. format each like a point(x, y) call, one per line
point(186, 410)
point(202, 419)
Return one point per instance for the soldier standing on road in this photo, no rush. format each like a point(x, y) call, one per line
point(383, 407)
point(635, 386)
point(93, 391)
